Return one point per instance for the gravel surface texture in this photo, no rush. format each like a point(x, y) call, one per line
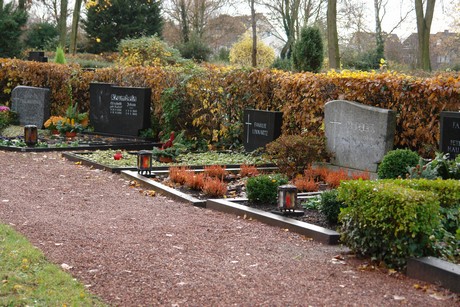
point(132, 249)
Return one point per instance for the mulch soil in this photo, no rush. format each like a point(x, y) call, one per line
point(132, 249)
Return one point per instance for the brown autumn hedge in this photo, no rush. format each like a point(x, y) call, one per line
point(212, 98)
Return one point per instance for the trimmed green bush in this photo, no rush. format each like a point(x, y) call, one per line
point(396, 163)
point(330, 206)
point(263, 189)
point(387, 222)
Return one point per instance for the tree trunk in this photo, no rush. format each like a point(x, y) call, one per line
point(380, 50)
point(423, 32)
point(332, 35)
point(63, 24)
point(21, 4)
point(184, 21)
point(254, 34)
point(74, 32)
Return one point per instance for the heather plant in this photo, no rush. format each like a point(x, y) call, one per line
point(214, 187)
point(216, 171)
point(194, 181)
point(248, 170)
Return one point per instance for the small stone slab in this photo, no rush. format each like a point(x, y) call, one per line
point(450, 133)
point(435, 271)
point(260, 128)
point(357, 135)
point(32, 105)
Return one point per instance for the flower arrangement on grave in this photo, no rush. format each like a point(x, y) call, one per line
point(52, 123)
point(73, 121)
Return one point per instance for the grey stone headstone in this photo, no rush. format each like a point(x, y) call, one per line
point(358, 135)
point(32, 105)
point(450, 133)
point(261, 128)
point(117, 110)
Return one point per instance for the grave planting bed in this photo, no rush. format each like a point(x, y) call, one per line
point(234, 206)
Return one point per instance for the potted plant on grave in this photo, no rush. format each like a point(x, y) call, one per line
point(73, 123)
point(52, 123)
point(170, 149)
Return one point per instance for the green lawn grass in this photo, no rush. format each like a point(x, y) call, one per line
point(28, 279)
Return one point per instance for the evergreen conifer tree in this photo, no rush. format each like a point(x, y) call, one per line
point(108, 22)
point(11, 22)
point(308, 51)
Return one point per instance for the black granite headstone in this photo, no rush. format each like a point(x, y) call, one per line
point(38, 56)
point(119, 110)
point(261, 128)
point(450, 133)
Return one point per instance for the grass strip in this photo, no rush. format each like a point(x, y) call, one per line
point(28, 279)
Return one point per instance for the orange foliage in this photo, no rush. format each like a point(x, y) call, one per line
point(217, 171)
point(333, 178)
point(305, 184)
point(248, 170)
point(361, 175)
point(214, 187)
point(194, 181)
point(178, 174)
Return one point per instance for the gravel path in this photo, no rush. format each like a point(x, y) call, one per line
point(136, 250)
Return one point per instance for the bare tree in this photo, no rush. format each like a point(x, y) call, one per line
point(193, 15)
point(291, 16)
point(75, 22)
point(424, 19)
point(332, 35)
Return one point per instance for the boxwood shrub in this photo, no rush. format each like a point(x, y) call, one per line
point(386, 221)
point(263, 189)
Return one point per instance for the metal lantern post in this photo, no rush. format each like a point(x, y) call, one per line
point(287, 197)
point(30, 135)
point(144, 162)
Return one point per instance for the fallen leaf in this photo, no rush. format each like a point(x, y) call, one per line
point(65, 266)
point(398, 298)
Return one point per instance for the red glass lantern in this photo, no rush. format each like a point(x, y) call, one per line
point(287, 197)
point(144, 162)
point(30, 135)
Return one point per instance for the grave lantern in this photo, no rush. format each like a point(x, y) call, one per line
point(144, 162)
point(287, 197)
point(30, 135)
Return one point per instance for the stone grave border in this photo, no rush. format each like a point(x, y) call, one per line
point(228, 205)
point(428, 269)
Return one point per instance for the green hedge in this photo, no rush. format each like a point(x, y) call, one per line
point(386, 221)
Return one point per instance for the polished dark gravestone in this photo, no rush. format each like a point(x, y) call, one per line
point(119, 110)
point(358, 136)
point(261, 128)
point(38, 56)
point(32, 105)
point(450, 133)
